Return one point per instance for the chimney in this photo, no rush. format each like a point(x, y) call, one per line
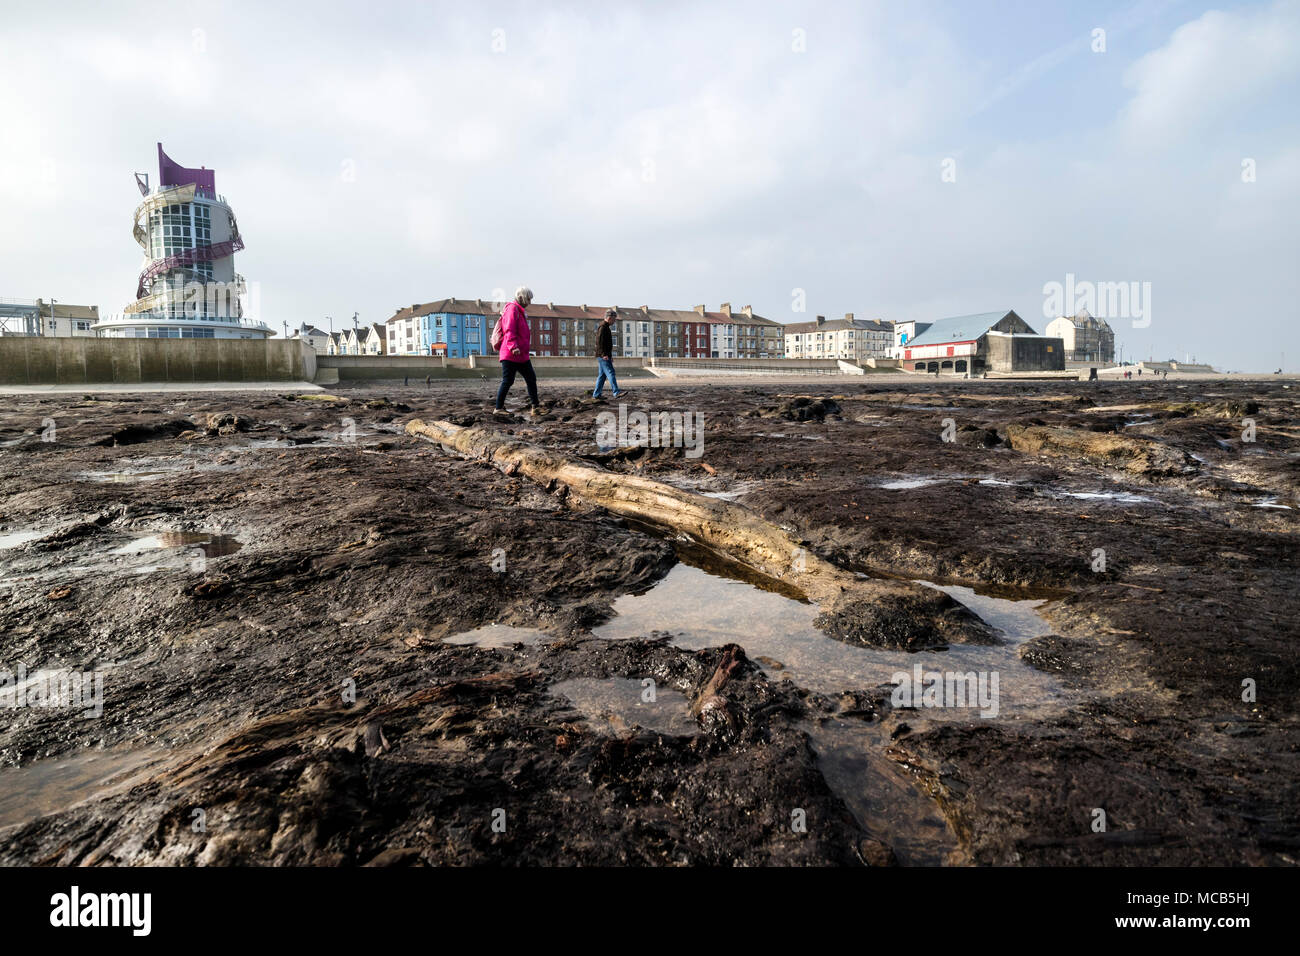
point(551, 306)
point(584, 307)
point(479, 303)
point(849, 316)
point(725, 309)
point(699, 309)
point(645, 310)
point(748, 311)
point(821, 320)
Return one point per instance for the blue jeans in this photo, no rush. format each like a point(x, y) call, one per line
point(606, 367)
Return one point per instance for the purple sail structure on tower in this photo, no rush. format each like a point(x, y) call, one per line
point(172, 173)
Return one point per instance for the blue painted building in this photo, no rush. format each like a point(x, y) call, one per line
point(459, 324)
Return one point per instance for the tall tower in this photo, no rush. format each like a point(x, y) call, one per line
point(188, 287)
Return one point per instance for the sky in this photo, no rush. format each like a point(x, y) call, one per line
point(896, 160)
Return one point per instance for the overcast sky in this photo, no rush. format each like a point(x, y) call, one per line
point(906, 160)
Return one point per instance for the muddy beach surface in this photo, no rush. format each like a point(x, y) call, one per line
point(322, 640)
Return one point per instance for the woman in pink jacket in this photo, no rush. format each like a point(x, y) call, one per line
point(513, 352)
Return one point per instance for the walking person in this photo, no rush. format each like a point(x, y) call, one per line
point(515, 340)
point(605, 356)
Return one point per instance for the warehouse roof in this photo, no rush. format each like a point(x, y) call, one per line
point(960, 328)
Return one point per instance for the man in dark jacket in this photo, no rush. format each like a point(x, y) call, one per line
point(605, 356)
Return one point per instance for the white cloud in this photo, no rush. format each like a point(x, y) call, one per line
point(1208, 67)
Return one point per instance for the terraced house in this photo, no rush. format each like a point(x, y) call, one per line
point(464, 327)
point(851, 339)
point(460, 325)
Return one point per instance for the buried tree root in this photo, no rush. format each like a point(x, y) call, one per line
point(855, 610)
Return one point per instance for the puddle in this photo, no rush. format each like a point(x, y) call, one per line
point(900, 484)
point(1119, 497)
point(125, 477)
point(48, 786)
point(1271, 503)
point(617, 705)
point(161, 551)
point(16, 539)
point(212, 545)
point(704, 608)
point(851, 756)
point(499, 635)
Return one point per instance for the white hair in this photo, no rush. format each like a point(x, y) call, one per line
point(523, 295)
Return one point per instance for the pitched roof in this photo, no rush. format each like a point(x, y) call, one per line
point(959, 328)
point(549, 310)
point(62, 311)
point(837, 325)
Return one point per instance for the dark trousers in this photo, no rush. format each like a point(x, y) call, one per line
point(508, 370)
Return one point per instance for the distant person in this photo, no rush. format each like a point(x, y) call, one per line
point(605, 356)
point(515, 339)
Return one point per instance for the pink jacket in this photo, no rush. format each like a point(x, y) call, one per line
point(515, 334)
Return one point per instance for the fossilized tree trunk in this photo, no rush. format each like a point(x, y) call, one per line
point(854, 609)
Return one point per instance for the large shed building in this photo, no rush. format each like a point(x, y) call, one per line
point(984, 342)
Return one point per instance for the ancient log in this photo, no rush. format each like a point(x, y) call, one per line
point(855, 609)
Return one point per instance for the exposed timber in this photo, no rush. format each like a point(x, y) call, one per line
point(855, 609)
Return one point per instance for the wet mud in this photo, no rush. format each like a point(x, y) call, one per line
point(322, 641)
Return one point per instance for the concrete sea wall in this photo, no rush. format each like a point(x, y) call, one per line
point(46, 360)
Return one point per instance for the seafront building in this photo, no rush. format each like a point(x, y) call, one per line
point(984, 342)
point(35, 317)
point(1086, 339)
point(849, 338)
point(188, 287)
point(462, 327)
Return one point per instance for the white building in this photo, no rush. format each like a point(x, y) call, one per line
point(904, 332)
point(1086, 339)
point(188, 287)
point(851, 339)
point(316, 338)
